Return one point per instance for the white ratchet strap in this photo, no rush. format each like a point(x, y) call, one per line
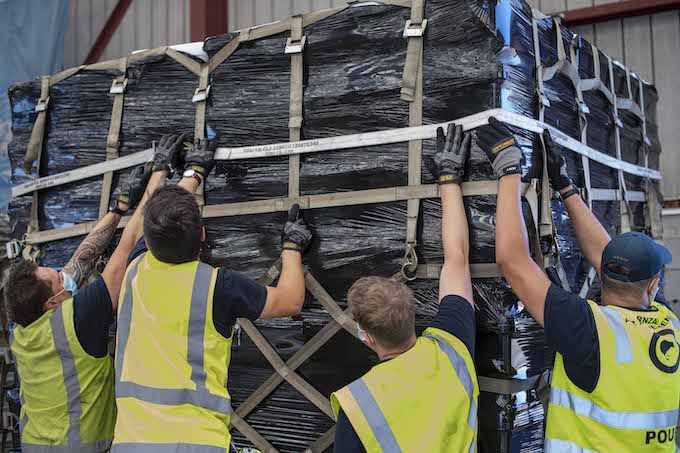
point(405, 134)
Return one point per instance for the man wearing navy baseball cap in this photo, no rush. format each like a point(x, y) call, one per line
point(615, 383)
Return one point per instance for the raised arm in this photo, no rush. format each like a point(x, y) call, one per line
point(591, 235)
point(513, 255)
point(137, 189)
point(84, 259)
point(452, 154)
point(287, 298)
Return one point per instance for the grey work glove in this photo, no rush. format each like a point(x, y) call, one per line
point(132, 190)
point(500, 146)
point(168, 153)
point(557, 165)
point(296, 235)
point(200, 156)
point(453, 150)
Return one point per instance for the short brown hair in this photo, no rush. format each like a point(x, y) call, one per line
point(385, 308)
point(173, 226)
point(25, 293)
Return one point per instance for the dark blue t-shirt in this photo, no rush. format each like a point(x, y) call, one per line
point(570, 329)
point(235, 297)
point(455, 316)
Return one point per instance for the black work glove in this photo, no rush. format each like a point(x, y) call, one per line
point(296, 235)
point(200, 157)
point(557, 165)
point(500, 146)
point(168, 153)
point(453, 150)
point(132, 189)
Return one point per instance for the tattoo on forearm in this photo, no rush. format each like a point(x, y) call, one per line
point(83, 261)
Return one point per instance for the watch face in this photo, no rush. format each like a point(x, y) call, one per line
point(189, 173)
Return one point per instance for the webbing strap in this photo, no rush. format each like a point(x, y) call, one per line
point(415, 157)
point(653, 211)
point(302, 386)
point(414, 31)
point(295, 47)
point(349, 142)
point(201, 99)
point(624, 206)
point(112, 140)
point(35, 145)
point(199, 126)
point(70, 375)
point(34, 153)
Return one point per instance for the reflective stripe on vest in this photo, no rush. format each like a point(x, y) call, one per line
point(620, 420)
point(564, 446)
point(675, 322)
point(624, 350)
point(464, 375)
point(164, 448)
point(172, 397)
point(94, 447)
point(68, 366)
point(374, 416)
point(376, 419)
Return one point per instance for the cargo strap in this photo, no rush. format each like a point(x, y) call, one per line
point(112, 140)
point(596, 83)
point(295, 47)
point(348, 142)
point(414, 31)
point(358, 197)
point(512, 386)
point(624, 205)
point(415, 147)
point(34, 153)
point(285, 371)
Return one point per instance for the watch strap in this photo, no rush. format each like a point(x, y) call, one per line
point(570, 192)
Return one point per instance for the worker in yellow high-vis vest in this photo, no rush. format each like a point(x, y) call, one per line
point(60, 340)
point(176, 320)
point(422, 396)
point(615, 385)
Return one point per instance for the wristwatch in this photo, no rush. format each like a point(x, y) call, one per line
point(116, 210)
point(191, 173)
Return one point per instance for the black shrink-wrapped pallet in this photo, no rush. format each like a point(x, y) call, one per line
point(478, 55)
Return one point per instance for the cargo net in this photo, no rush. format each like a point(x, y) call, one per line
point(538, 75)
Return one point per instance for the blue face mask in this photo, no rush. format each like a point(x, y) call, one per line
point(70, 284)
point(362, 336)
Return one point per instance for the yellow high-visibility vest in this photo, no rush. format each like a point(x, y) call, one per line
point(66, 394)
point(634, 407)
point(423, 400)
point(171, 362)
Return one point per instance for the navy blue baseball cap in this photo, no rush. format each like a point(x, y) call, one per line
point(638, 256)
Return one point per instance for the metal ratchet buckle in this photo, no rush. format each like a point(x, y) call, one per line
point(14, 248)
point(201, 94)
point(415, 30)
point(410, 264)
point(295, 46)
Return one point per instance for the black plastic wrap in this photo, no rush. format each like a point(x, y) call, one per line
point(478, 55)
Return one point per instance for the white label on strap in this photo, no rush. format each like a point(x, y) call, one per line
point(347, 142)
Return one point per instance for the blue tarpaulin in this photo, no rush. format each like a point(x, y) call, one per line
point(32, 33)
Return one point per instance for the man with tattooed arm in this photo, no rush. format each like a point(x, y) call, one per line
point(61, 327)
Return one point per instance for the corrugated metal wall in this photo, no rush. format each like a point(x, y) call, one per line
point(147, 24)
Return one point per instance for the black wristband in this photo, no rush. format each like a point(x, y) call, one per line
point(116, 210)
point(288, 245)
point(569, 193)
point(511, 170)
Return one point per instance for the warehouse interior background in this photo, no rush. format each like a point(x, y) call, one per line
point(642, 34)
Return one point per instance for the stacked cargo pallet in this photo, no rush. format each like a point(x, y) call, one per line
point(362, 89)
